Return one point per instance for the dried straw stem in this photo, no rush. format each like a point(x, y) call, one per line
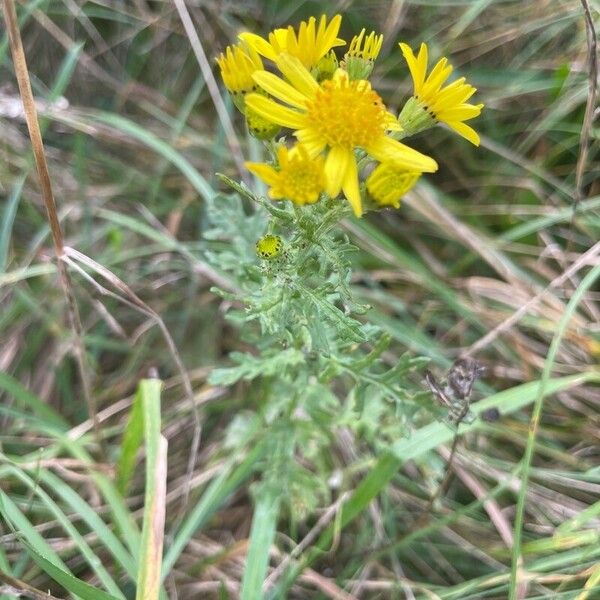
point(22, 73)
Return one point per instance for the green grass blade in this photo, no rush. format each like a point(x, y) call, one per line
point(88, 515)
point(592, 584)
point(123, 520)
point(579, 520)
point(152, 141)
point(74, 585)
point(83, 547)
point(148, 580)
point(65, 72)
point(132, 440)
point(397, 256)
point(215, 496)
point(545, 384)
point(24, 398)
point(425, 440)
point(12, 277)
point(262, 534)
point(26, 531)
point(8, 218)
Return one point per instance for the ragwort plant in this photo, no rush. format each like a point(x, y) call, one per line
point(316, 364)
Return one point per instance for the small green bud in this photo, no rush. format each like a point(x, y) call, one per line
point(269, 247)
point(325, 67)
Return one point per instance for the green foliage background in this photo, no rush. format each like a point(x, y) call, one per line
point(133, 144)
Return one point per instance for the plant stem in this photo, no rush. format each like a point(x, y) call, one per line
point(31, 117)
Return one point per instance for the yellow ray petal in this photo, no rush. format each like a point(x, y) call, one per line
point(422, 61)
point(411, 61)
point(464, 112)
point(279, 89)
point(259, 44)
point(336, 165)
point(297, 74)
point(465, 131)
point(266, 172)
point(329, 34)
point(438, 76)
point(387, 149)
point(312, 141)
point(350, 187)
point(275, 113)
point(454, 96)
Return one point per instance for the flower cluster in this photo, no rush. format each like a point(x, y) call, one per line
point(341, 126)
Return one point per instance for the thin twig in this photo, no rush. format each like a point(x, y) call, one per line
point(22, 73)
point(24, 589)
point(588, 117)
point(586, 126)
point(447, 478)
point(213, 88)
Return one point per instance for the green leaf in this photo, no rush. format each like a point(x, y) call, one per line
point(349, 328)
point(74, 585)
point(155, 143)
point(26, 399)
point(132, 440)
point(262, 534)
point(425, 440)
point(148, 580)
point(251, 367)
point(228, 481)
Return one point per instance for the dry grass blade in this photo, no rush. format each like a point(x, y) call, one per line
point(484, 256)
point(213, 89)
point(19, 588)
point(590, 107)
point(585, 259)
point(131, 299)
point(37, 145)
point(148, 584)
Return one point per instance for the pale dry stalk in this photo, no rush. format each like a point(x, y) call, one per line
point(31, 117)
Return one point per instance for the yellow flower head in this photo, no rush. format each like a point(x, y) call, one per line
point(361, 55)
point(237, 66)
point(337, 116)
point(309, 45)
point(446, 104)
point(388, 183)
point(299, 177)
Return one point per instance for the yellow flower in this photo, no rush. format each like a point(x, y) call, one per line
point(299, 178)
point(309, 45)
point(388, 183)
point(237, 66)
point(337, 115)
point(371, 47)
point(361, 55)
point(446, 104)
